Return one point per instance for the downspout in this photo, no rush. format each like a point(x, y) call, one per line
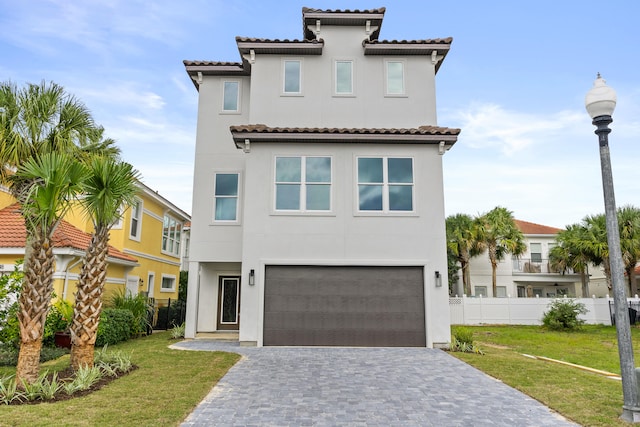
point(66, 277)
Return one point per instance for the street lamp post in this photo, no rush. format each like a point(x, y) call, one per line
point(600, 102)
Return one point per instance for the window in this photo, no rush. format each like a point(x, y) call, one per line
point(303, 184)
point(395, 77)
point(344, 77)
point(117, 225)
point(136, 220)
point(226, 197)
point(168, 283)
point(292, 77)
point(480, 291)
point(385, 184)
point(536, 252)
point(501, 291)
point(231, 96)
point(171, 233)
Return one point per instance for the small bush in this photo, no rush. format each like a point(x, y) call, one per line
point(114, 326)
point(463, 335)
point(138, 305)
point(177, 332)
point(563, 315)
point(463, 341)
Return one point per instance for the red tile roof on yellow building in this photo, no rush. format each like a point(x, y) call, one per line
point(13, 234)
point(533, 228)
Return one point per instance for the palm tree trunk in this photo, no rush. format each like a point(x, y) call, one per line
point(585, 284)
point(494, 278)
point(34, 301)
point(86, 315)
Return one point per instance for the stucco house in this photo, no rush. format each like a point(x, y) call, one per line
point(531, 274)
point(318, 212)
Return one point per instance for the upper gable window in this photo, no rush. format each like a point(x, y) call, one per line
point(136, 220)
point(292, 81)
point(395, 77)
point(344, 77)
point(303, 184)
point(385, 184)
point(231, 96)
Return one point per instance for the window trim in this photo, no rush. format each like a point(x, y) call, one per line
point(385, 187)
point(303, 183)
point(283, 91)
point(352, 93)
point(177, 241)
point(404, 93)
point(238, 197)
point(168, 276)
point(137, 236)
point(238, 109)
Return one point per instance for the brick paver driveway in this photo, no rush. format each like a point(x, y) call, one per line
point(305, 386)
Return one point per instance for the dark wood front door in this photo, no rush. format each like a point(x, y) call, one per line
point(229, 303)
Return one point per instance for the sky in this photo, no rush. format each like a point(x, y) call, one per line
point(514, 81)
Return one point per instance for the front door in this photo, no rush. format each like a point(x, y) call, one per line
point(229, 303)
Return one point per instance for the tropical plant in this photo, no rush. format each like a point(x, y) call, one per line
point(9, 390)
point(85, 377)
point(463, 341)
point(177, 332)
point(36, 122)
point(109, 186)
point(569, 254)
point(629, 224)
point(563, 314)
point(138, 305)
point(54, 180)
point(498, 234)
point(462, 244)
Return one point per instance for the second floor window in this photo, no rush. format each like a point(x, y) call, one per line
point(171, 234)
point(226, 197)
point(292, 77)
point(136, 220)
point(385, 184)
point(536, 252)
point(303, 184)
point(231, 96)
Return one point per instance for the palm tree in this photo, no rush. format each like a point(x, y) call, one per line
point(50, 182)
point(568, 255)
point(629, 224)
point(498, 233)
point(462, 244)
point(110, 185)
point(36, 120)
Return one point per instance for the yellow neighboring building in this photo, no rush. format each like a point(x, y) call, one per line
point(144, 254)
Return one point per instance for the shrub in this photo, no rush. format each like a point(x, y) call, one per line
point(463, 335)
point(563, 315)
point(114, 327)
point(138, 305)
point(463, 341)
point(177, 332)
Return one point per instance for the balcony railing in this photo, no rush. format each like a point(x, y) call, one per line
point(536, 266)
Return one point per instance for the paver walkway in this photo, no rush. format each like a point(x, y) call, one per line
point(333, 386)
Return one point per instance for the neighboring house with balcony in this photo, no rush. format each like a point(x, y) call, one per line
point(145, 247)
point(318, 213)
point(531, 274)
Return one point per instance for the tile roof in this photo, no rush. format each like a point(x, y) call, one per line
point(533, 228)
point(212, 63)
point(422, 130)
point(13, 234)
point(366, 11)
point(446, 40)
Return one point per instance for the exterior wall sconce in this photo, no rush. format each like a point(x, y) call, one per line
point(438, 280)
point(252, 277)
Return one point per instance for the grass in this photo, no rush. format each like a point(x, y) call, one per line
point(165, 388)
point(586, 398)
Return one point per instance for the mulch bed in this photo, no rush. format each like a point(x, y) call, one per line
point(67, 375)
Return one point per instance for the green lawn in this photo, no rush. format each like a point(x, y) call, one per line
point(164, 389)
point(586, 398)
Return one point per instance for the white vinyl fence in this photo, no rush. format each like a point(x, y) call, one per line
point(525, 311)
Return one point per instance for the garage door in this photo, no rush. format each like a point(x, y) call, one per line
point(344, 306)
